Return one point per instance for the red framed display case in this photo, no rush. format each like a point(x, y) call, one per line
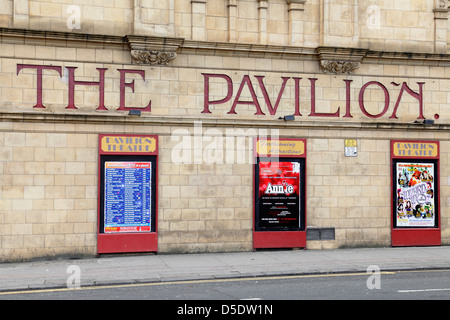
point(128, 193)
point(279, 219)
point(415, 176)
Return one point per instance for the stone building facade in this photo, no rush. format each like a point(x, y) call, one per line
point(208, 78)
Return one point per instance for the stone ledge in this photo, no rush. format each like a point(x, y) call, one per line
point(62, 39)
point(123, 119)
point(182, 46)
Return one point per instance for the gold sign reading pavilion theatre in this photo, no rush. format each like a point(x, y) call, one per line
point(127, 144)
point(222, 125)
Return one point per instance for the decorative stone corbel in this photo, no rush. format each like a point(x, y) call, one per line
point(153, 50)
point(152, 57)
point(339, 67)
point(340, 60)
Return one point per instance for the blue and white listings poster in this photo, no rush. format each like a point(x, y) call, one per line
point(127, 197)
point(416, 205)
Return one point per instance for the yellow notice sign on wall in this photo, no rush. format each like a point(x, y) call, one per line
point(280, 147)
point(127, 144)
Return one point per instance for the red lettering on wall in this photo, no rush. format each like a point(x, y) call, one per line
point(347, 98)
point(246, 81)
point(297, 97)
point(73, 83)
point(227, 98)
point(386, 99)
point(39, 70)
point(418, 96)
point(272, 110)
point(100, 84)
point(313, 103)
point(124, 84)
point(227, 83)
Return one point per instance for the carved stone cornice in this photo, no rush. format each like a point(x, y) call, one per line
point(226, 49)
point(61, 39)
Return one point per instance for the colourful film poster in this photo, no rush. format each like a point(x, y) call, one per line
point(415, 200)
point(279, 195)
point(127, 197)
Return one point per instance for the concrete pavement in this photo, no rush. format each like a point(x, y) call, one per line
point(128, 269)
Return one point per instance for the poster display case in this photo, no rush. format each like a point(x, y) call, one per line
point(280, 193)
point(127, 214)
point(127, 196)
point(415, 193)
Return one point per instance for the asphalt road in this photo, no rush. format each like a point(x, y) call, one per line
point(402, 285)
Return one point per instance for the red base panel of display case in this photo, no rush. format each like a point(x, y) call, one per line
point(279, 239)
point(127, 242)
point(410, 238)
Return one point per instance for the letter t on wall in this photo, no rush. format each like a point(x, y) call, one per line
point(39, 79)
